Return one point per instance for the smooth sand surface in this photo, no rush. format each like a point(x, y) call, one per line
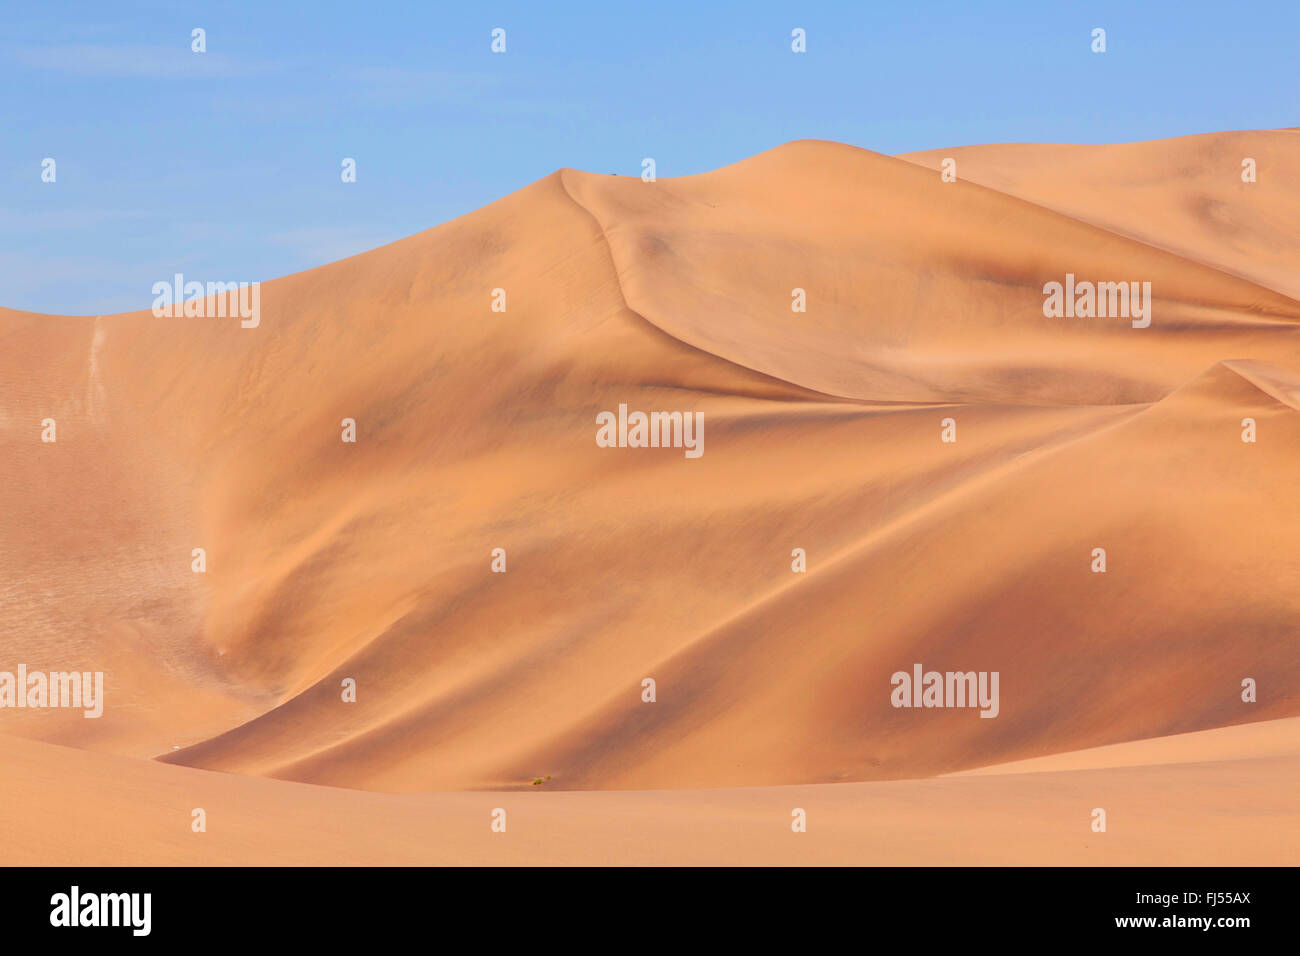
point(69, 807)
point(476, 430)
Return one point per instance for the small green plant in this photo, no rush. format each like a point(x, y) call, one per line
point(540, 780)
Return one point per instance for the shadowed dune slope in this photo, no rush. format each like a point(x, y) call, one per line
point(476, 430)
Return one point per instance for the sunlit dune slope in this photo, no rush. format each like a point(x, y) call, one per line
point(1186, 195)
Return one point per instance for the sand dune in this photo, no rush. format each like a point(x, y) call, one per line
point(1185, 195)
point(1223, 812)
point(475, 430)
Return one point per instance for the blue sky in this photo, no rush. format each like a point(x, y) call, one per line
point(225, 165)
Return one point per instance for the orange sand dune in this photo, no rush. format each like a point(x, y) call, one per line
point(1185, 195)
point(1229, 811)
point(476, 430)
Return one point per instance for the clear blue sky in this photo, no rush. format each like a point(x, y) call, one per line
point(225, 165)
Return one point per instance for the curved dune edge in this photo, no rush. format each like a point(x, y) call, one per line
point(1263, 740)
point(73, 807)
point(328, 561)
